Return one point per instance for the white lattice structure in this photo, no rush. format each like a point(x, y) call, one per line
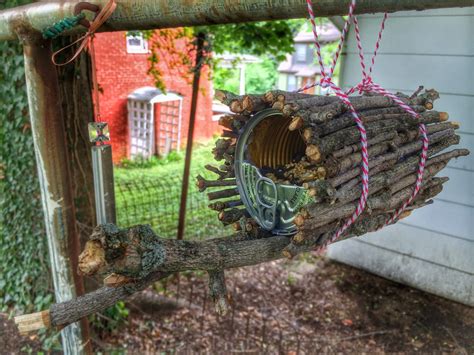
point(149, 136)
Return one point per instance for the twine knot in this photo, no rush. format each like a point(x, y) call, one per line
point(366, 85)
point(84, 41)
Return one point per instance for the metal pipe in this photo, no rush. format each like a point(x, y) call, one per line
point(147, 14)
point(103, 183)
point(189, 143)
point(49, 139)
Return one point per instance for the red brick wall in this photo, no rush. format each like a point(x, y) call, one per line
point(119, 73)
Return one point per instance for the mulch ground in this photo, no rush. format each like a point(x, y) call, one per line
point(11, 342)
point(301, 307)
point(309, 306)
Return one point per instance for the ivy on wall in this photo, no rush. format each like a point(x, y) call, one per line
point(24, 274)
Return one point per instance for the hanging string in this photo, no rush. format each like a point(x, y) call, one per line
point(367, 85)
point(84, 41)
point(95, 83)
point(326, 82)
point(318, 46)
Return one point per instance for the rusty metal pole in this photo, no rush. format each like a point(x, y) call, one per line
point(189, 142)
point(49, 138)
point(152, 14)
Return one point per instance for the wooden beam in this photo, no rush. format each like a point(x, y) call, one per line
point(47, 125)
point(147, 14)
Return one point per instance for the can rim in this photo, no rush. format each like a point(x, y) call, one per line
point(239, 164)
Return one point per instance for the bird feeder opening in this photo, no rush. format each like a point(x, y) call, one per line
point(264, 150)
point(273, 146)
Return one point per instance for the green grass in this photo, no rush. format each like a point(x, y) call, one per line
point(149, 192)
point(172, 165)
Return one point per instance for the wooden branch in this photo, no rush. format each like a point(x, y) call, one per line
point(218, 291)
point(315, 216)
point(222, 205)
point(346, 120)
point(202, 184)
point(135, 15)
point(222, 194)
point(171, 255)
point(351, 135)
point(271, 97)
point(232, 100)
point(394, 137)
point(233, 215)
point(399, 144)
point(222, 174)
point(440, 141)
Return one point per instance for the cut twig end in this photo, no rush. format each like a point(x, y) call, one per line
point(220, 95)
point(296, 124)
point(31, 322)
point(278, 105)
point(299, 219)
point(218, 291)
point(443, 116)
point(298, 238)
point(313, 153)
point(236, 106)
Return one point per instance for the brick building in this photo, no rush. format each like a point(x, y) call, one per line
point(122, 64)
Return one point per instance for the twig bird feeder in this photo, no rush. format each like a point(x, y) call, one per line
point(296, 157)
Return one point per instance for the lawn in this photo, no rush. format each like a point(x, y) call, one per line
point(148, 192)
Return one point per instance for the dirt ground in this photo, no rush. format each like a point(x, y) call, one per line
point(309, 306)
point(303, 307)
point(11, 342)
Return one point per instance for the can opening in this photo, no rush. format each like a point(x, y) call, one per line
point(265, 150)
point(273, 145)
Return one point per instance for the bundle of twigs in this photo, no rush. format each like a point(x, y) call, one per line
point(330, 165)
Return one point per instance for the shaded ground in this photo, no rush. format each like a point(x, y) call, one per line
point(309, 306)
point(11, 342)
point(302, 307)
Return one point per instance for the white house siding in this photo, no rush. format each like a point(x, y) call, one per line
point(434, 248)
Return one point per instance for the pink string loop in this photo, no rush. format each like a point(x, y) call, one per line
point(326, 82)
point(367, 85)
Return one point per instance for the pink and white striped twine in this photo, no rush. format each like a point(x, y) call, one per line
point(366, 85)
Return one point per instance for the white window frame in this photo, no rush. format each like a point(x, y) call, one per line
point(141, 47)
point(292, 86)
point(300, 53)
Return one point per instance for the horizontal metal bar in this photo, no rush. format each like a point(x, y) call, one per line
point(150, 14)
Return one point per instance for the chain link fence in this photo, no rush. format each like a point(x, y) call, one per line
point(156, 202)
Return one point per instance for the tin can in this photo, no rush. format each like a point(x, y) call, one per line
point(273, 205)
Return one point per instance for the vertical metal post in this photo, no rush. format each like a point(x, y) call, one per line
point(56, 194)
point(189, 142)
point(103, 183)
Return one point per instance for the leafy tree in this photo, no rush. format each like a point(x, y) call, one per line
point(174, 48)
point(260, 77)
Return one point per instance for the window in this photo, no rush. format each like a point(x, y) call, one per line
point(136, 44)
point(291, 83)
point(300, 54)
